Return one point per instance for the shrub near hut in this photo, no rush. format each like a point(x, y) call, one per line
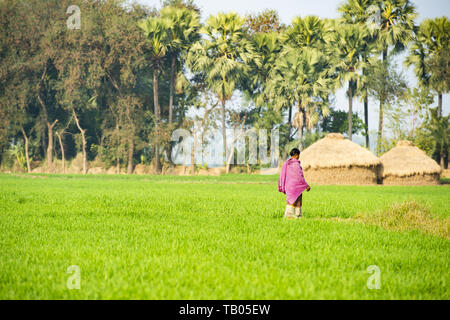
point(337, 160)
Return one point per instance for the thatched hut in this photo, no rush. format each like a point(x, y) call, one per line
point(405, 164)
point(337, 160)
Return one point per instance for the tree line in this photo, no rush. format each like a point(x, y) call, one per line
point(115, 88)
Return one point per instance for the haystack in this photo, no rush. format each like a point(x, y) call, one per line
point(337, 160)
point(406, 164)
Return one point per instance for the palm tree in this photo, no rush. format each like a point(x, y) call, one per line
point(429, 54)
point(362, 12)
point(183, 29)
point(267, 47)
point(309, 31)
point(396, 31)
point(345, 46)
point(440, 130)
point(302, 78)
point(155, 30)
point(222, 58)
point(397, 25)
point(357, 11)
point(306, 32)
point(396, 28)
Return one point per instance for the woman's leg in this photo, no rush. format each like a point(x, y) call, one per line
point(298, 207)
point(290, 211)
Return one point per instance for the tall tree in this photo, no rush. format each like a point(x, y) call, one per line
point(310, 31)
point(17, 92)
point(439, 127)
point(365, 14)
point(155, 30)
point(183, 29)
point(124, 39)
point(75, 53)
point(223, 58)
point(388, 85)
point(346, 44)
point(304, 79)
point(265, 30)
point(429, 54)
point(43, 19)
point(395, 32)
point(268, 47)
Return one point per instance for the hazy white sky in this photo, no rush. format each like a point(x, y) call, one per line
point(288, 9)
point(292, 8)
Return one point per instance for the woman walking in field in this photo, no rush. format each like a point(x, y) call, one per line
point(292, 183)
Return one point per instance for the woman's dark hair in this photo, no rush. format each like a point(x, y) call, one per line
point(294, 152)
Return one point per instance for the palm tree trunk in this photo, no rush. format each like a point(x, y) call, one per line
point(290, 116)
point(157, 113)
point(27, 157)
point(168, 147)
point(224, 131)
point(380, 128)
point(380, 118)
point(442, 160)
point(172, 86)
point(230, 157)
point(366, 119)
point(439, 110)
point(350, 110)
point(300, 134)
point(194, 146)
point(300, 129)
point(290, 121)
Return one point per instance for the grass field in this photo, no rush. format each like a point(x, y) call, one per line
point(164, 237)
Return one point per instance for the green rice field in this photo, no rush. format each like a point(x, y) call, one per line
point(216, 237)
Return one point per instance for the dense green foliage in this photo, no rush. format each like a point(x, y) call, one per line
point(337, 121)
point(165, 237)
point(115, 87)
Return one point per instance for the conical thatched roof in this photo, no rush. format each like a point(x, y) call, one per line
point(405, 159)
point(335, 151)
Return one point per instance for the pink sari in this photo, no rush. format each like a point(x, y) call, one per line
point(292, 182)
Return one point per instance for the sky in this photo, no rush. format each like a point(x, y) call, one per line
point(288, 9)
